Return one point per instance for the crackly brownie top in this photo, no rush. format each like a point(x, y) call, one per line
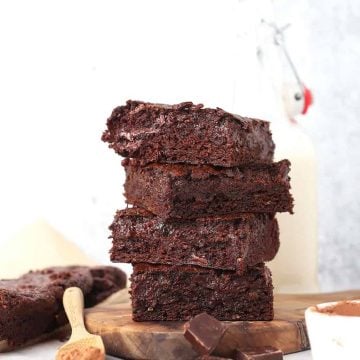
point(187, 133)
point(35, 284)
point(48, 285)
point(160, 115)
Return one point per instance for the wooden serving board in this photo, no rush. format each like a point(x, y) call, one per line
point(164, 340)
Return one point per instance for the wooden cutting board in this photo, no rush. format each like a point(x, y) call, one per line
point(164, 340)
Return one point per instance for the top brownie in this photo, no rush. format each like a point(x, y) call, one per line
point(187, 133)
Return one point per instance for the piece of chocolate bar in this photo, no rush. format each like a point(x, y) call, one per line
point(261, 353)
point(204, 333)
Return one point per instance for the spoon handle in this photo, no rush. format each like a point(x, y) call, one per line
point(73, 301)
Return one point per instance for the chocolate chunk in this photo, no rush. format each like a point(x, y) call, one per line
point(263, 353)
point(204, 333)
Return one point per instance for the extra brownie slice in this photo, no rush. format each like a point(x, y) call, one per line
point(187, 133)
point(163, 292)
point(224, 242)
point(31, 305)
point(190, 191)
point(106, 281)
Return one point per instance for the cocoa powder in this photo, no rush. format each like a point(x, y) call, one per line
point(90, 353)
point(345, 308)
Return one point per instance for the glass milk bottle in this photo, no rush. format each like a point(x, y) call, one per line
point(259, 88)
point(295, 266)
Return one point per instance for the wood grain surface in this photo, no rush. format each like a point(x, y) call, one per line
point(164, 340)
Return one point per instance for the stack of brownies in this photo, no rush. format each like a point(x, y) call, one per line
point(204, 190)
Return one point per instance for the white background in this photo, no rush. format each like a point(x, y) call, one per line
point(65, 64)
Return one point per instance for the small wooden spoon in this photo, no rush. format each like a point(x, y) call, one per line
point(81, 344)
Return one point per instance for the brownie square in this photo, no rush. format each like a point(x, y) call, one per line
point(222, 242)
point(187, 133)
point(163, 292)
point(190, 191)
point(31, 305)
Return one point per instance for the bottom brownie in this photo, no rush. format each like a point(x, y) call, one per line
point(164, 292)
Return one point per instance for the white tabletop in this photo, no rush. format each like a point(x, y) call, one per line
point(47, 351)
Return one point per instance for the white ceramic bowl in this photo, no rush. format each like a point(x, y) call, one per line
point(333, 336)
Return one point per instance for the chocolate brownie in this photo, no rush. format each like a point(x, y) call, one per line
point(223, 242)
point(190, 191)
point(106, 281)
point(31, 305)
point(187, 133)
point(163, 292)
